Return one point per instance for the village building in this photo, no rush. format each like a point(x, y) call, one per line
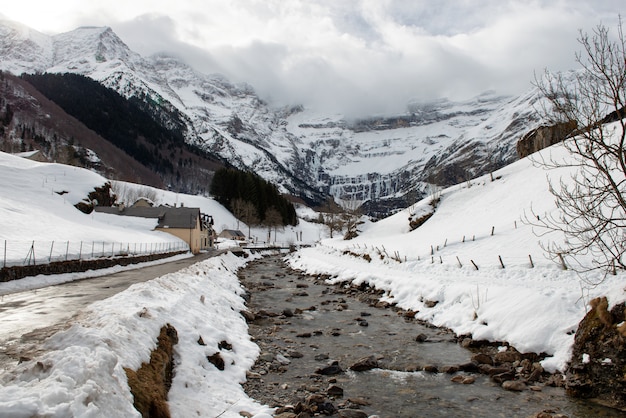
point(188, 224)
point(233, 234)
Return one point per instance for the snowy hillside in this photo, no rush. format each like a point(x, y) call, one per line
point(454, 260)
point(306, 151)
point(38, 204)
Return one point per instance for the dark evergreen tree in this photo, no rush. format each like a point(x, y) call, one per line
point(230, 185)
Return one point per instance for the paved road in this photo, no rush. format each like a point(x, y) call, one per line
point(28, 318)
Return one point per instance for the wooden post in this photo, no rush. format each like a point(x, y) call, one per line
point(32, 250)
point(432, 250)
point(501, 263)
point(532, 265)
point(67, 250)
point(562, 261)
point(50, 256)
point(440, 260)
point(457, 259)
point(474, 264)
point(463, 238)
point(445, 243)
point(492, 229)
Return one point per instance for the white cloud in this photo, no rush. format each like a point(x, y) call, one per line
point(359, 55)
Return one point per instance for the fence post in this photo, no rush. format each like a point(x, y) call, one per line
point(457, 259)
point(532, 265)
point(501, 263)
point(50, 256)
point(474, 264)
point(67, 250)
point(80, 251)
point(32, 251)
point(562, 261)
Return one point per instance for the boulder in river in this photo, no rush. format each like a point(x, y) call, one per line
point(514, 385)
point(335, 391)
point(351, 413)
point(365, 363)
point(330, 370)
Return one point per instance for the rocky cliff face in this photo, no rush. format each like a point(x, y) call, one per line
point(543, 137)
point(381, 161)
point(597, 370)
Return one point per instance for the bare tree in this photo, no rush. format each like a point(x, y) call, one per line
point(245, 211)
point(273, 219)
point(352, 218)
point(129, 193)
point(592, 201)
point(333, 219)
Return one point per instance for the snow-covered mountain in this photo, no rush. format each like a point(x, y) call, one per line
point(377, 160)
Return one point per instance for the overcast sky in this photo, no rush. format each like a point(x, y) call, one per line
point(349, 55)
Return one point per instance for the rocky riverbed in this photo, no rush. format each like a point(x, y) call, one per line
point(340, 351)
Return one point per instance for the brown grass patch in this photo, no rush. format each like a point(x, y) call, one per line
point(151, 383)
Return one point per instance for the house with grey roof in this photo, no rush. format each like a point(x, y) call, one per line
point(188, 224)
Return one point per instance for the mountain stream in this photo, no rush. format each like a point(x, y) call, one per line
point(311, 334)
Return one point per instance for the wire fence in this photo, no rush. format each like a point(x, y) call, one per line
point(445, 252)
point(25, 253)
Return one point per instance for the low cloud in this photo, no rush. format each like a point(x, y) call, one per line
point(359, 56)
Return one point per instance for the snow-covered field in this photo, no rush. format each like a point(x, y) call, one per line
point(454, 259)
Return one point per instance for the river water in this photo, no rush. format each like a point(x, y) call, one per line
point(303, 325)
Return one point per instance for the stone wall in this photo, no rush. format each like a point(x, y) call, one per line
point(74, 266)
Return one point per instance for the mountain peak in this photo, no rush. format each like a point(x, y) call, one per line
point(82, 49)
point(23, 49)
